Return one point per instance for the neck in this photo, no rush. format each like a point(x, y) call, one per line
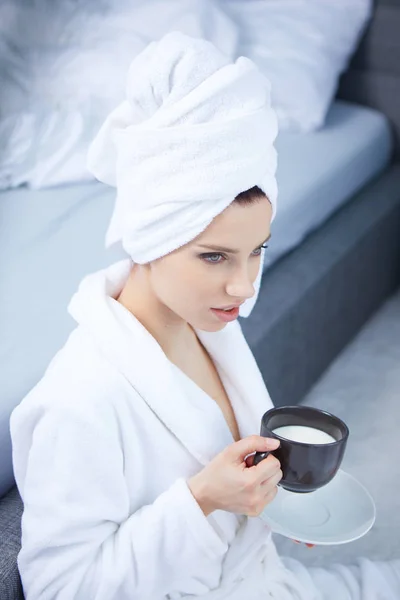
point(171, 332)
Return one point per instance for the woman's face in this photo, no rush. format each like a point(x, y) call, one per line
point(217, 269)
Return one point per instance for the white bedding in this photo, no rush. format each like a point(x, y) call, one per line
point(63, 66)
point(49, 239)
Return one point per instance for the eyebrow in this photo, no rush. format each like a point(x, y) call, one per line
point(230, 250)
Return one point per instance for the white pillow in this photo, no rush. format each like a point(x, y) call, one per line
point(63, 68)
point(302, 46)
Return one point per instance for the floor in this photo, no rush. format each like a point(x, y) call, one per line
point(362, 387)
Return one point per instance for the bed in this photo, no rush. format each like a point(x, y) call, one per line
point(316, 298)
point(61, 238)
point(333, 259)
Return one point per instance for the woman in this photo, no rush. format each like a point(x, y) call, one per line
point(133, 453)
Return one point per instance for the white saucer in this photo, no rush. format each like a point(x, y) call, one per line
point(340, 512)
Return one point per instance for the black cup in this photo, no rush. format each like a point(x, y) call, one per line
point(305, 467)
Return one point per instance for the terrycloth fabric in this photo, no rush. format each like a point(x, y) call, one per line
point(194, 131)
point(102, 449)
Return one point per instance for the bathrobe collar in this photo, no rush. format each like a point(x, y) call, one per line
point(136, 354)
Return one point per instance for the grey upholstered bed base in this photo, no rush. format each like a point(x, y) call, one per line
point(315, 299)
point(10, 542)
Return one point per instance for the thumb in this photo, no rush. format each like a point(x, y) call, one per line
point(251, 444)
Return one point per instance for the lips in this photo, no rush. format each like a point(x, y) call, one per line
point(229, 307)
point(226, 315)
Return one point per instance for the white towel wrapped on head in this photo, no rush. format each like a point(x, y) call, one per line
point(194, 131)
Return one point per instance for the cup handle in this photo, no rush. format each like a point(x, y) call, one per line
point(259, 456)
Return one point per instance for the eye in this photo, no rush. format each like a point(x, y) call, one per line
point(214, 257)
point(258, 250)
point(210, 258)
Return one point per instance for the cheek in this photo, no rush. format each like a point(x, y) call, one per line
point(181, 286)
point(255, 268)
point(192, 290)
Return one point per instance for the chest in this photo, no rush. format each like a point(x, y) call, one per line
point(202, 371)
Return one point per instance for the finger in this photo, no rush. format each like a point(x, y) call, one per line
point(308, 545)
point(273, 480)
point(267, 468)
point(251, 444)
point(270, 495)
point(249, 460)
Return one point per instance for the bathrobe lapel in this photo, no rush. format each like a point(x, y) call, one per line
point(240, 375)
point(142, 362)
point(202, 431)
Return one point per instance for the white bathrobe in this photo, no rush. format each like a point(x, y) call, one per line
point(102, 449)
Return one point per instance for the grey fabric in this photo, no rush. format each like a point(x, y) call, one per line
point(373, 78)
point(10, 542)
point(315, 299)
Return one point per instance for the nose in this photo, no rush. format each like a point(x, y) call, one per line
point(241, 286)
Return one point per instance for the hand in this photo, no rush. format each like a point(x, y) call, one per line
point(229, 483)
point(308, 545)
point(249, 462)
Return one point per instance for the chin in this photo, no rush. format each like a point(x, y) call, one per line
point(210, 328)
